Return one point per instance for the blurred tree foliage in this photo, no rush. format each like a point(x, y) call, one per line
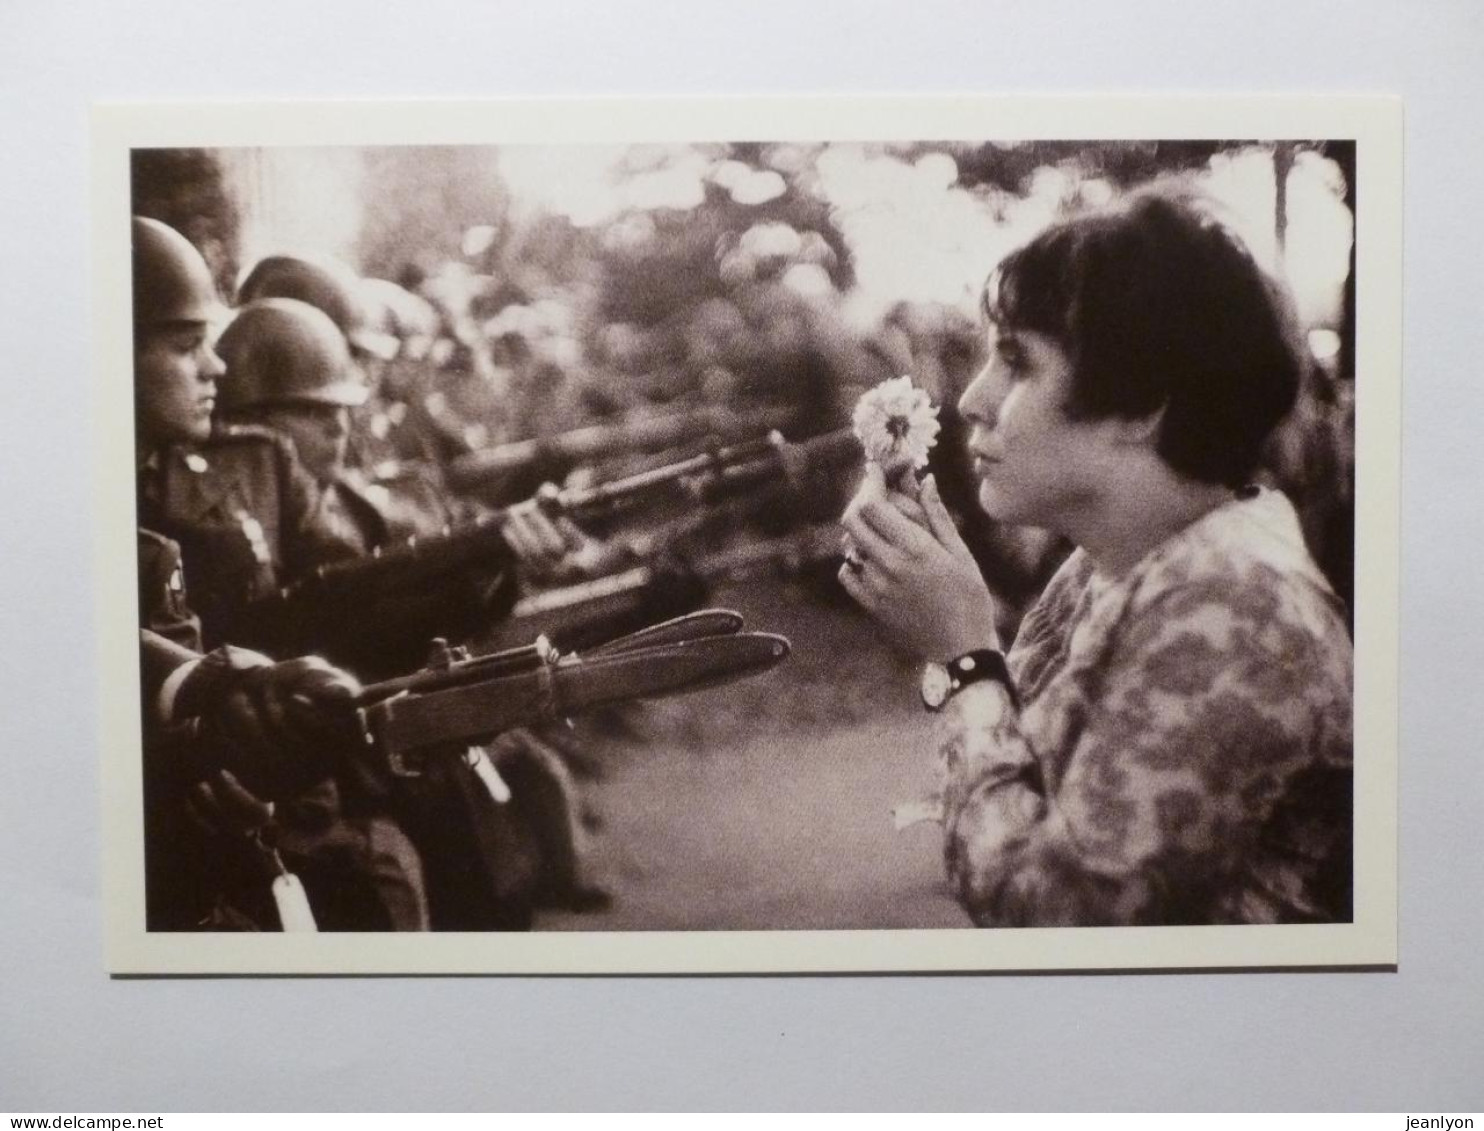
point(1123, 163)
point(418, 203)
point(187, 189)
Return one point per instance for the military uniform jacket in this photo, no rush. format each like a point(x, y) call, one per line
point(247, 518)
point(193, 880)
point(171, 633)
point(251, 522)
point(408, 513)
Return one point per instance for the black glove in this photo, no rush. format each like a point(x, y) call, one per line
point(276, 727)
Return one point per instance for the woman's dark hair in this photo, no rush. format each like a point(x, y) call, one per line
point(1159, 306)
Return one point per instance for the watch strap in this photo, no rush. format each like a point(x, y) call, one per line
point(977, 666)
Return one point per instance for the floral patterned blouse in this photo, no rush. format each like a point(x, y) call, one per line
point(1183, 754)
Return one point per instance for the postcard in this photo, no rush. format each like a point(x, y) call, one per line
point(756, 535)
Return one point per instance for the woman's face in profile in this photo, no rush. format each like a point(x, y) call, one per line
point(1035, 465)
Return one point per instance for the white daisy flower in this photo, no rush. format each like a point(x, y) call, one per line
point(897, 426)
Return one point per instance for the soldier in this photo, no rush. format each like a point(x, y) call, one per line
point(268, 741)
point(393, 447)
point(232, 498)
point(393, 422)
point(215, 723)
point(250, 518)
point(289, 369)
point(291, 374)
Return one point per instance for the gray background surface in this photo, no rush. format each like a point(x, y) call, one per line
point(71, 1040)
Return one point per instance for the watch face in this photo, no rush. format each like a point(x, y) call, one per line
point(936, 683)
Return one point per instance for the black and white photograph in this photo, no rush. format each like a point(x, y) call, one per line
point(668, 538)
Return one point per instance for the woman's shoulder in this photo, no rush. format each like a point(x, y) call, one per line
point(1240, 604)
point(1236, 591)
point(1247, 559)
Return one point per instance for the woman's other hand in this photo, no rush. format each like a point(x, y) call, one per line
point(910, 569)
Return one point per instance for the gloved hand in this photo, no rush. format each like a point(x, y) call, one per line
point(276, 727)
point(221, 806)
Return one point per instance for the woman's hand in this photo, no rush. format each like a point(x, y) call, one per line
point(911, 571)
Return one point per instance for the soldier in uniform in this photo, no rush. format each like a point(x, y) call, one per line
point(235, 499)
point(373, 880)
point(290, 374)
point(391, 447)
point(289, 370)
point(226, 730)
point(396, 420)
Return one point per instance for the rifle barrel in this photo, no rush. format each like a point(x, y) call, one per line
point(717, 472)
point(505, 662)
point(813, 543)
point(597, 441)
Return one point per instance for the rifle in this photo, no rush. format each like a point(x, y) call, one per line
point(478, 839)
point(488, 468)
point(355, 587)
point(457, 700)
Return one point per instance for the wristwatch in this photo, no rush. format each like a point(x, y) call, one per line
point(940, 682)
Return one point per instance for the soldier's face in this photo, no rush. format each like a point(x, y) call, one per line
point(321, 435)
point(175, 374)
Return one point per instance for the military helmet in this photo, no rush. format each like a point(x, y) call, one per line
point(283, 351)
point(324, 283)
point(171, 281)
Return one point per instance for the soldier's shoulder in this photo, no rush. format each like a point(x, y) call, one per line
point(236, 446)
point(158, 555)
point(227, 437)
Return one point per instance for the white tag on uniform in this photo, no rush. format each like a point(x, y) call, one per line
point(293, 905)
point(485, 771)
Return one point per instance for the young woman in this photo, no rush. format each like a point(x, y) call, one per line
point(1169, 739)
